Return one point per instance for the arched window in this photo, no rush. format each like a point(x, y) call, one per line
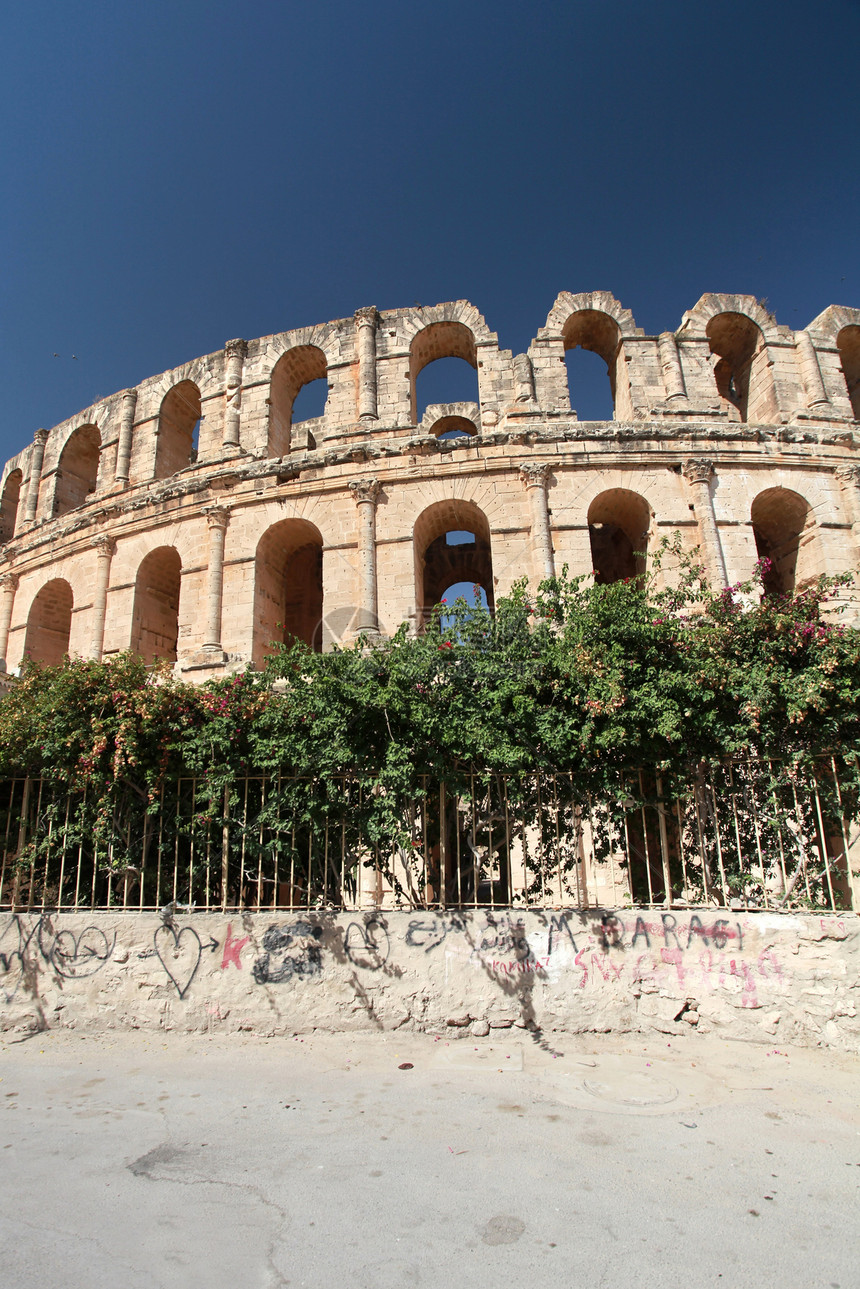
point(9, 505)
point(452, 547)
point(449, 350)
point(49, 624)
point(779, 518)
point(454, 427)
point(592, 395)
point(288, 589)
point(298, 367)
point(848, 342)
point(618, 524)
point(734, 339)
point(77, 470)
point(155, 620)
point(178, 428)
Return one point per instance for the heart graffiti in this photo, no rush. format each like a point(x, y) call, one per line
point(179, 953)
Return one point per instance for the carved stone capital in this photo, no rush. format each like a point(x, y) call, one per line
point(41, 436)
point(848, 474)
point(9, 581)
point(105, 546)
point(367, 317)
point(236, 349)
point(365, 490)
point(535, 474)
point(698, 471)
point(217, 516)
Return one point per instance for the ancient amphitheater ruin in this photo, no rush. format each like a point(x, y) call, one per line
point(194, 518)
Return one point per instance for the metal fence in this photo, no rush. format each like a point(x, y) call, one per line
point(746, 835)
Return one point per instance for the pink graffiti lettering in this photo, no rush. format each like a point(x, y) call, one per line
point(674, 958)
point(233, 946)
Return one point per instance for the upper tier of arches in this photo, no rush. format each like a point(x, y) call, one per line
point(729, 361)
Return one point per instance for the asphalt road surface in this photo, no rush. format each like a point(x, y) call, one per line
point(147, 1161)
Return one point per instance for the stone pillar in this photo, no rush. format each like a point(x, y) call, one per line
point(365, 328)
point(366, 494)
point(849, 478)
point(816, 394)
point(217, 518)
point(105, 548)
point(670, 362)
point(698, 474)
point(40, 438)
point(126, 429)
point(535, 475)
point(524, 379)
point(236, 351)
point(8, 587)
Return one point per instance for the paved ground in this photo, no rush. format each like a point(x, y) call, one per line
point(162, 1160)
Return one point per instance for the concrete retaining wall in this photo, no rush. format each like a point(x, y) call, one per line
point(763, 977)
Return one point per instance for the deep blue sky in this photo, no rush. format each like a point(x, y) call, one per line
point(180, 173)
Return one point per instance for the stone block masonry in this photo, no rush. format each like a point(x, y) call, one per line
point(766, 978)
point(196, 519)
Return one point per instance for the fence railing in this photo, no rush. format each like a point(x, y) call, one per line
point(746, 835)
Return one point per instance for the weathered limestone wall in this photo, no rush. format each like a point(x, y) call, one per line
point(730, 413)
point(761, 977)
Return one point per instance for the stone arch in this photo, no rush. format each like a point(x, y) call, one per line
point(848, 344)
point(155, 617)
point(448, 339)
point(49, 623)
point(734, 340)
point(77, 469)
point(9, 504)
point(597, 322)
point(288, 587)
point(695, 321)
point(297, 367)
point(439, 564)
point(784, 530)
point(447, 420)
point(619, 523)
point(180, 412)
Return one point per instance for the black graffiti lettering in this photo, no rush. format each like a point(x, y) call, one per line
point(74, 956)
point(367, 945)
point(696, 928)
point(558, 929)
point(426, 933)
point(641, 929)
point(720, 933)
point(669, 925)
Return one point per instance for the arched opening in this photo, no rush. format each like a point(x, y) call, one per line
point(848, 342)
point(49, 624)
point(592, 397)
point(448, 349)
point(454, 427)
point(618, 524)
point(288, 588)
point(77, 470)
point(452, 547)
point(298, 367)
point(734, 339)
point(9, 505)
point(155, 620)
point(178, 428)
point(779, 518)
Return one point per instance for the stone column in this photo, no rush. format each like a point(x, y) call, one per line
point(8, 587)
point(698, 474)
point(366, 494)
point(40, 438)
point(126, 429)
point(849, 478)
point(670, 362)
point(524, 379)
point(236, 351)
point(816, 394)
point(365, 327)
point(217, 518)
point(535, 475)
point(105, 548)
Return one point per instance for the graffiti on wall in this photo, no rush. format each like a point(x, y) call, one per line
point(291, 952)
point(70, 954)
